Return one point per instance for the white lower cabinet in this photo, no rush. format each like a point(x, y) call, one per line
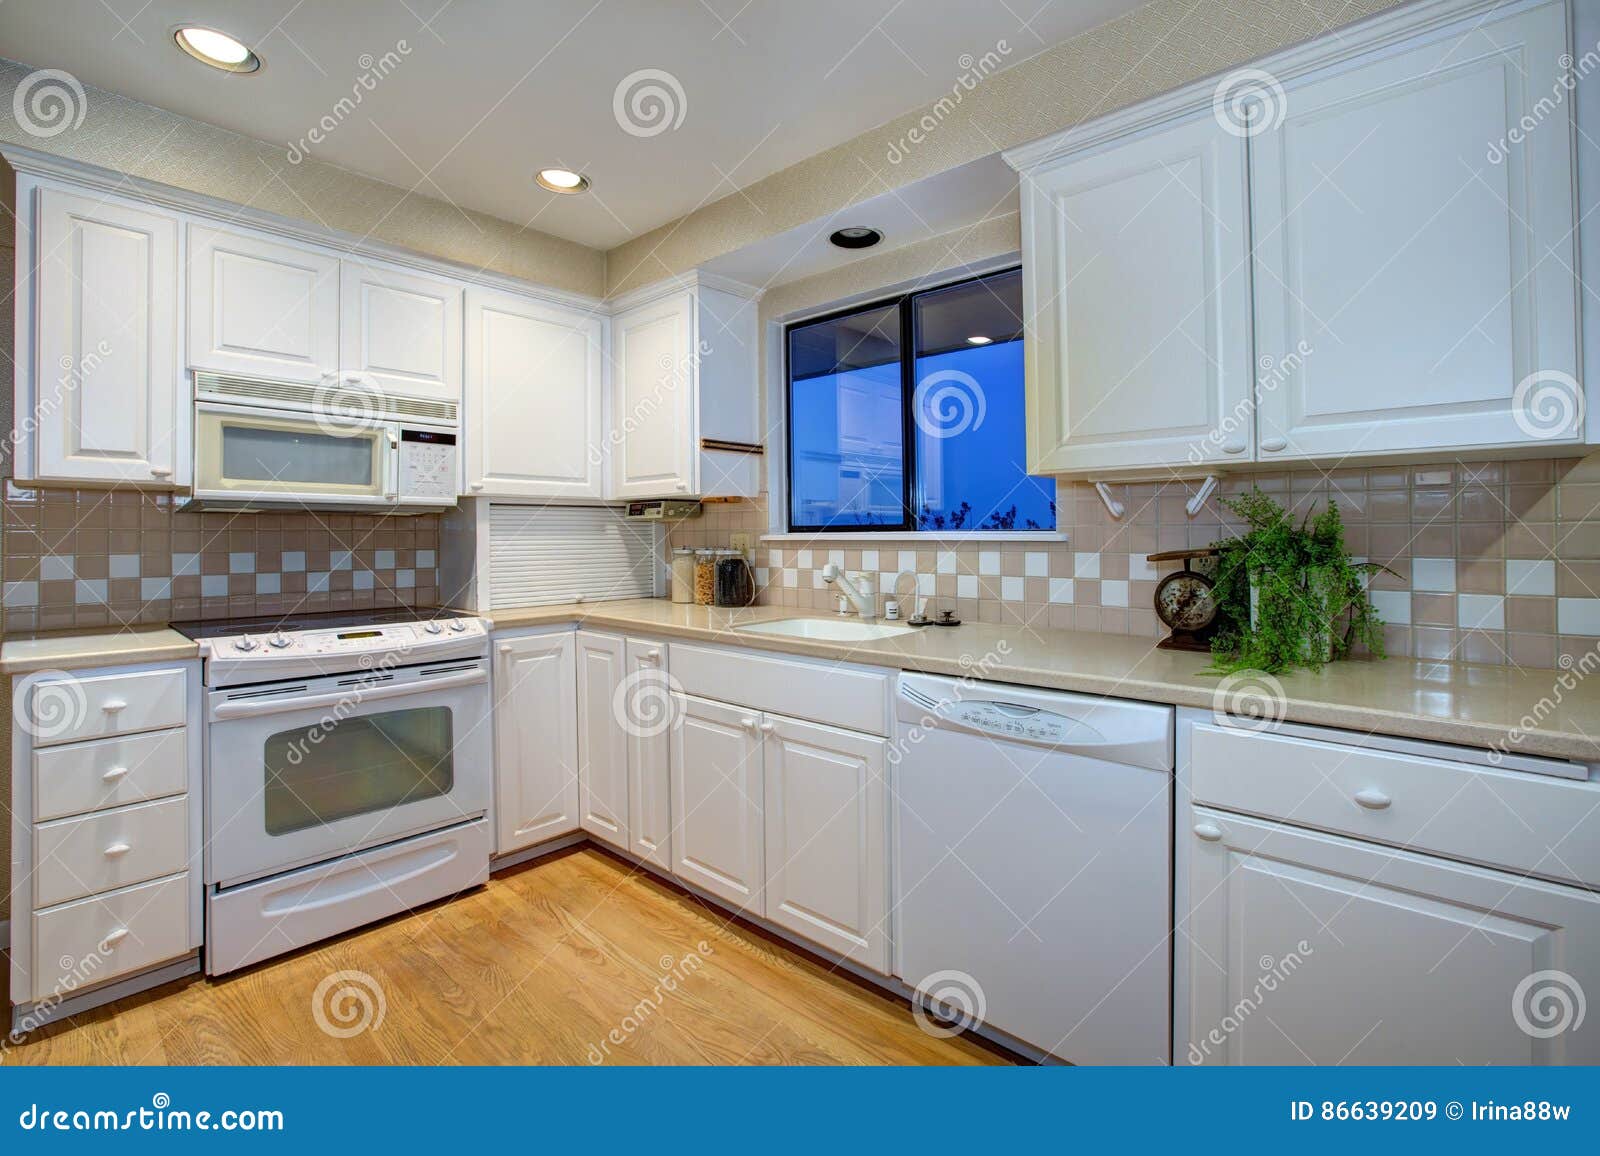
point(717, 829)
point(827, 849)
point(536, 738)
point(647, 706)
point(602, 738)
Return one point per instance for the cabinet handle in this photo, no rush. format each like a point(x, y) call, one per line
point(748, 724)
point(652, 656)
point(1210, 832)
point(113, 705)
point(682, 486)
point(1233, 448)
point(160, 472)
point(474, 486)
point(113, 774)
point(1272, 445)
point(114, 938)
point(767, 728)
point(117, 849)
point(1373, 799)
point(505, 648)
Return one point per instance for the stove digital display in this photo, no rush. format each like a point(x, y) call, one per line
point(360, 634)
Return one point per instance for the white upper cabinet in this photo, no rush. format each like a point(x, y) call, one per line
point(685, 392)
point(1413, 264)
point(400, 332)
point(535, 398)
point(105, 370)
point(1136, 281)
point(262, 307)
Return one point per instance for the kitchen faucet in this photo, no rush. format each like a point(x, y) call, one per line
point(860, 592)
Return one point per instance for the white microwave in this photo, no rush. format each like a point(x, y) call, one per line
point(260, 458)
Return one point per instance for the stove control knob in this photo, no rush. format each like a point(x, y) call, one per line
point(278, 641)
point(457, 625)
point(246, 643)
point(432, 628)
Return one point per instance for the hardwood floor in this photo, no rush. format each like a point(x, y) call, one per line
point(577, 959)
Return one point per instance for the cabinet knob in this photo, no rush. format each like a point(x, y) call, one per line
point(117, 849)
point(652, 656)
point(682, 486)
point(474, 486)
point(1233, 447)
point(505, 648)
point(113, 774)
point(1272, 445)
point(1210, 832)
point(1373, 799)
point(114, 938)
point(113, 705)
point(767, 728)
point(160, 472)
point(748, 724)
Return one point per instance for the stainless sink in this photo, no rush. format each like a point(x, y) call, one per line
point(827, 629)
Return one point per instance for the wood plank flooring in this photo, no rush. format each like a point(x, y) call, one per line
point(577, 959)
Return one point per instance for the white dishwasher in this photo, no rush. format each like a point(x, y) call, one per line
point(1034, 871)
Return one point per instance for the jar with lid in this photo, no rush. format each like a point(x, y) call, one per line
point(705, 577)
point(682, 583)
point(736, 582)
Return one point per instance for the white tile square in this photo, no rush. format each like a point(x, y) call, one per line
point(403, 579)
point(124, 565)
point(187, 565)
point(1086, 565)
point(340, 560)
point(791, 577)
point(425, 560)
point(1114, 592)
point(90, 591)
point(988, 561)
point(21, 594)
point(1434, 575)
point(383, 559)
point(216, 585)
point(242, 562)
point(836, 557)
point(294, 562)
point(1061, 589)
point(869, 560)
point(1393, 606)
point(1578, 615)
point(57, 567)
point(1140, 568)
point(924, 585)
point(816, 580)
point(908, 560)
point(803, 561)
point(966, 585)
point(1530, 577)
point(154, 589)
point(273, 583)
point(1036, 564)
point(360, 580)
point(1011, 588)
point(1481, 611)
point(946, 562)
point(775, 559)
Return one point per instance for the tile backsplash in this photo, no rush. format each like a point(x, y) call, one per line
point(98, 558)
point(1494, 562)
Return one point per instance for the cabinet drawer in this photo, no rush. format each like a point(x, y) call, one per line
point(855, 698)
point(105, 936)
point(109, 849)
point(64, 708)
point(79, 777)
point(1526, 822)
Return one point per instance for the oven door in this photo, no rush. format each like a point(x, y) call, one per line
point(243, 453)
point(303, 771)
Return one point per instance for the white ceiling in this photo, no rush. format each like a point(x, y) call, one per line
point(485, 92)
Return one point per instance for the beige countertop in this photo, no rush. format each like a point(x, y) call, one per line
point(76, 650)
point(1532, 712)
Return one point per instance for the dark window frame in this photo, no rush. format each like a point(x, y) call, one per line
point(905, 304)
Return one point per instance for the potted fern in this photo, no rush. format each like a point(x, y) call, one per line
point(1289, 594)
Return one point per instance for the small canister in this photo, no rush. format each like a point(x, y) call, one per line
point(705, 577)
point(683, 574)
point(736, 582)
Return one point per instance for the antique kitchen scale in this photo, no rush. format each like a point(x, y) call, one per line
point(1186, 602)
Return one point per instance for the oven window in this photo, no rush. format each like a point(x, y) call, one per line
point(263, 454)
point(337, 769)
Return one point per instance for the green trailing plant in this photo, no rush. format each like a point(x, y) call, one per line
point(1310, 597)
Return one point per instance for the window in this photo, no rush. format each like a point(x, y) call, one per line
point(908, 415)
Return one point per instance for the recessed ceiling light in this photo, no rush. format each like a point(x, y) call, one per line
point(562, 181)
point(217, 49)
point(979, 339)
point(856, 237)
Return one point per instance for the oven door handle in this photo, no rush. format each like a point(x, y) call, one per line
point(354, 696)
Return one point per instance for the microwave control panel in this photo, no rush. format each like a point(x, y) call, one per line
point(427, 465)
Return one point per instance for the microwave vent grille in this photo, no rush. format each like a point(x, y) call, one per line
point(231, 387)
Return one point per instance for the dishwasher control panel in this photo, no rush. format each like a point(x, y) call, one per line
point(1018, 722)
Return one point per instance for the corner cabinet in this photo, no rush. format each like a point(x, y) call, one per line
point(685, 386)
point(1370, 256)
point(536, 738)
point(534, 398)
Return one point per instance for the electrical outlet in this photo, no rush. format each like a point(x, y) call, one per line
point(741, 543)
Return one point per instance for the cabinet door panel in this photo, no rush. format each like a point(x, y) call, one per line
point(262, 307)
point(1413, 266)
point(602, 741)
point(716, 801)
point(107, 366)
point(826, 841)
point(1136, 282)
point(536, 740)
point(647, 714)
point(655, 443)
point(1307, 948)
point(535, 399)
point(401, 332)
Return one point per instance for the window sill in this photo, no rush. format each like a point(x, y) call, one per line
point(967, 537)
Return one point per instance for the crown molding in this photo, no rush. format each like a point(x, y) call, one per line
point(695, 279)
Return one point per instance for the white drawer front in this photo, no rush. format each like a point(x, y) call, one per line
point(1527, 822)
point(109, 849)
point(105, 936)
point(79, 777)
point(855, 698)
point(65, 707)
